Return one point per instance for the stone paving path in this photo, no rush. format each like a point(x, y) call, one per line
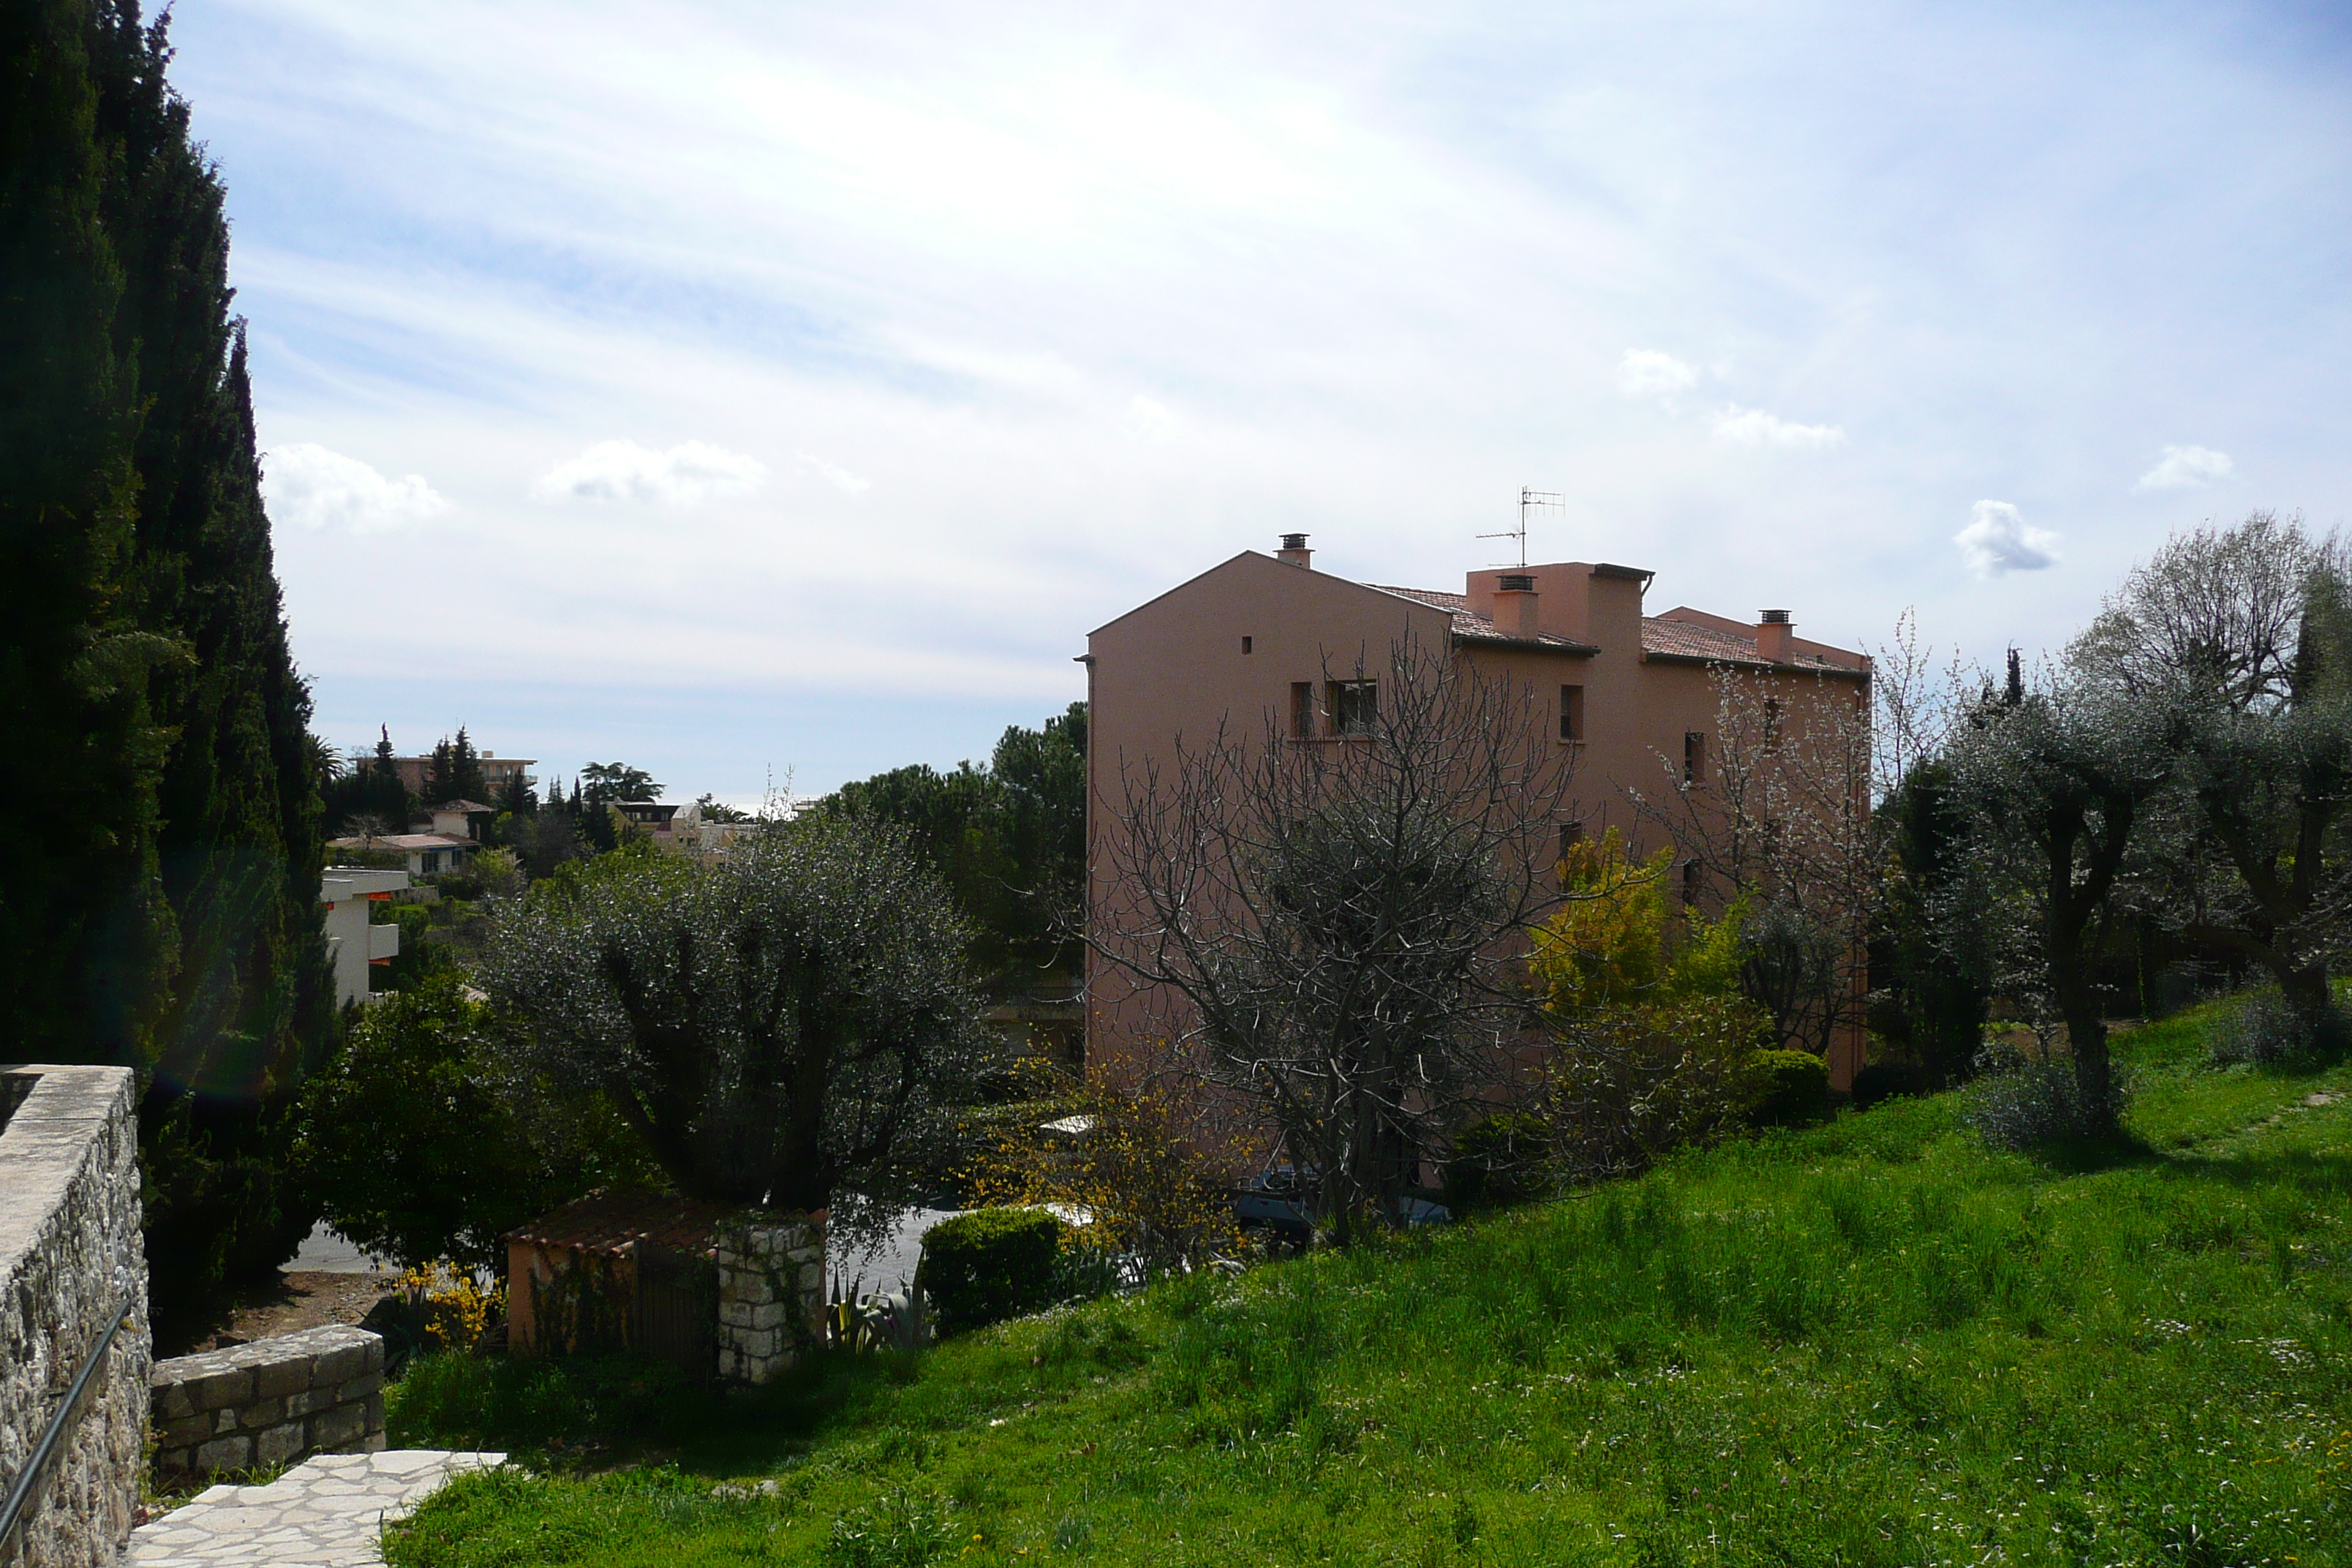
point(326, 1512)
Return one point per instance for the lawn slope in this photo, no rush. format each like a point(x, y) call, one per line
point(1870, 1342)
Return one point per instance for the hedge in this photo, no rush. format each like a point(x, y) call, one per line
point(984, 1267)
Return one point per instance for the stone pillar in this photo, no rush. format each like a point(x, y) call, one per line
point(771, 1292)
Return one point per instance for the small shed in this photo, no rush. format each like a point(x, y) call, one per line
point(714, 1291)
point(617, 1272)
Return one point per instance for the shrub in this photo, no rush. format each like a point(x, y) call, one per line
point(1141, 1165)
point(416, 1148)
point(984, 1267)
point(2266, 1029)
point(2025, 1099)
point(1629, 1085)
point(1793, 1088)
point(1885, 1080)
point(1497, 1160)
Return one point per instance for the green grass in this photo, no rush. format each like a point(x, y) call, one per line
point(1873, 1342)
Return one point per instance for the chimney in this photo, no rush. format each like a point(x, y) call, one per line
point(1515, 604)
point(1776, 637)
point(1294, 550)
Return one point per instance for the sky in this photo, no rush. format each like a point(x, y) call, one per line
point(768, 395)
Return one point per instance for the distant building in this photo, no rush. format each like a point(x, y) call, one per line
point(652, 816)
point(427, 854)
point(497, 771)
point(352, 943)
point(460, 818)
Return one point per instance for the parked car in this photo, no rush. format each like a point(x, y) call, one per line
point(1278, 1199)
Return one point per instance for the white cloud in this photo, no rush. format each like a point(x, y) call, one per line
point(311, 487)
point(1754, 427)
point(1149, 420)
point(2187, 468)
point(686, 473)
point(1999, 539)
point(1646, 372)
point(841, 479)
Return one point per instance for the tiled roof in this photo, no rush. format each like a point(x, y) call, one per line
point(1468, 623)
point(615, 1223)
point(1688, 639)
point(406, 841)
point(1666, 639)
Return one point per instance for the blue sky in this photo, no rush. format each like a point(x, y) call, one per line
point(755, 392)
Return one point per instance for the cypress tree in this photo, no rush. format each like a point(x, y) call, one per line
point(85, 936)
point(169, 919)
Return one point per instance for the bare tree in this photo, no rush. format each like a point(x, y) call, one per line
point(1343, 919)
point(1782, 819)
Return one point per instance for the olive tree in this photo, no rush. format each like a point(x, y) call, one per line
point(1344, 919)
point(2058, 778)
point(2240, 640)
point(780, 1028)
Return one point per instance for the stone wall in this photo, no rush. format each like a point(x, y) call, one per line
point(771, 1295)
point(69, 1256)
point(271, 1402)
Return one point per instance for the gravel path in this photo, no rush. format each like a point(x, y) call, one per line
point(326, 1512)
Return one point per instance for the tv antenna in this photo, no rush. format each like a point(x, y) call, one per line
point(1530, 500)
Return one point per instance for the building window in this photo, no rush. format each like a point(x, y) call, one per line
point(1302, 710)
point(1690, 884)
point(1355, 707)
point(1571, 834)
point(1572, 713)
point(1245, 645)
point(1694, 756)
point(1771, 723)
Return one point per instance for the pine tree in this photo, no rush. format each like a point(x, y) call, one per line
point(466, 769)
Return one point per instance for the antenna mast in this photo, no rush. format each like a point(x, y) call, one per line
point(1530, 500)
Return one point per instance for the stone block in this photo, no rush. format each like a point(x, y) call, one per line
point(343, 1362)
point(217, 1389)
point(185, 1430)
point(261, 1412)
point(334, 1428)
point(225, 1454)
point(375, 1409)
point(276, 1379)
point(770, 1316)
point(360, 1387)
point(173, 1461)
point(173, 1400)
point(736, 1314)
point(279, 1444)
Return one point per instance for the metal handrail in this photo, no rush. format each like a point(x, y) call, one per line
point(30, 1479)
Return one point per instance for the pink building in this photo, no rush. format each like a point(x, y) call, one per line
point(1261, 637)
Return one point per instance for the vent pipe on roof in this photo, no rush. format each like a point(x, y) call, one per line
point(1515, 604)
point(1294, 550)
point(1776, 637)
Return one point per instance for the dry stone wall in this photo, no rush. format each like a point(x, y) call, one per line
point(271, 1402)
point(70, 1256)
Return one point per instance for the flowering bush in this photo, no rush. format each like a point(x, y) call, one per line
point(455, 1306)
